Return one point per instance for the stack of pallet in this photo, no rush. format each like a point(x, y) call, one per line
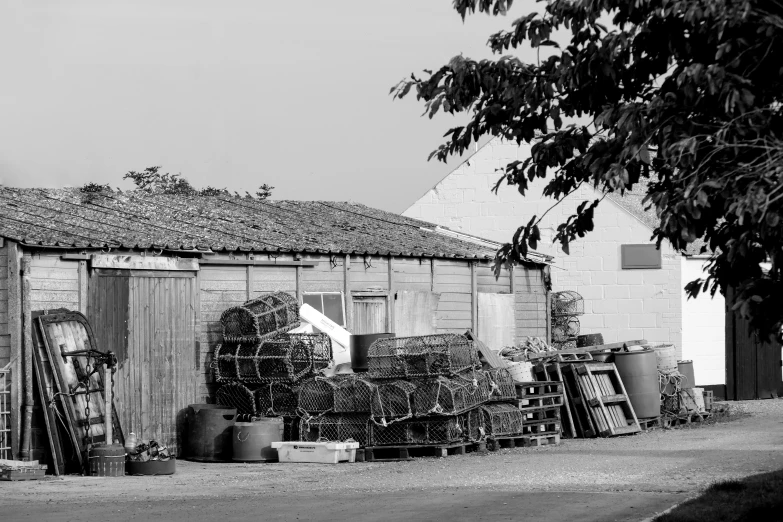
point(540, 403)
point(596, 403)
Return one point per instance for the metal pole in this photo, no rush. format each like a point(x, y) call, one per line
point(107, 413)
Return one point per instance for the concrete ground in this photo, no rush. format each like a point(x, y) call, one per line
point(625, 478)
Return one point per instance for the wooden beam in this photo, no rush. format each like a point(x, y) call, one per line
point(83, 278)
point(15, 331)
point(299, 289)
point(128, 262)
point(432, 274)
point(256, 262)
point(586, 349)
point(249, 282)
point(347, 292)
point(390, 327)
point(473, 297)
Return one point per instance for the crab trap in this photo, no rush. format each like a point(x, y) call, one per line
point(451, 396)
point(425, 431)
point(335, 427)
point(285, 358)
point(501, 385)
point(567, 302)
point(393, 399)
point(421, 357)
point(277, 399)
point(317, 395)
point(355, 395)
point(565, 328)
point(495, 420)
point(239, 396)
point(260, 318)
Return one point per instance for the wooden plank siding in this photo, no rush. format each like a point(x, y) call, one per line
point(54, 283)
point(453, 282)
point(531, 302)
point(5, 334)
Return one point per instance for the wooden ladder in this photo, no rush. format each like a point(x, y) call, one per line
point(603, 395)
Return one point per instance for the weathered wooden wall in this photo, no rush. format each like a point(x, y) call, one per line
point(532, 308)
point(54, 283)
point(5, 335)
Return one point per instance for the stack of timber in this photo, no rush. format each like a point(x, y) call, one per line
point(69, 371)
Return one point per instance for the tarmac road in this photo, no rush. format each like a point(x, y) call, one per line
point(625, 478)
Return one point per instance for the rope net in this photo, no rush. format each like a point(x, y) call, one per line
point(495, 420)
point(565, 328)
point(428, 430)
point(355, 395)
point(421, 356)
point(452, 396)
point(260, 318)
point(501, 384)
point(317, 395)
point(567, 302)
point(335, 427)
point(239, 396)
point(225, 362)
point(277, 399)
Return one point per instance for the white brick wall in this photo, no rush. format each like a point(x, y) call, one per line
point(620, 304)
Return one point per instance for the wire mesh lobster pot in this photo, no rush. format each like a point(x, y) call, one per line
point(225, 363)
point(276, 399)
point(393, 399)
point(495, 420)
point(335, 427)
point(567, 302)
point(421, 357)
point(424, 431)
point(237, 395)
point(451, 396)
point(355, 395)
point(565, 328)
point(317, 395)
point(504, 388)
point(260, 318)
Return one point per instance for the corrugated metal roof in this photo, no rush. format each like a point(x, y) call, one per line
point(70, 218)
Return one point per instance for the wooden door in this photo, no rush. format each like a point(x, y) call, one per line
point(150, 322)
point(369, 315)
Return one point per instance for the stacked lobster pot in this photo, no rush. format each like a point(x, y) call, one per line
point(418, 391)
point(260, 365)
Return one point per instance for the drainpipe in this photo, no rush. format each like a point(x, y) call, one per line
point(27, 355)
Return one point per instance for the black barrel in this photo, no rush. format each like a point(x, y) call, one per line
point(360, 345)
point(210, 429)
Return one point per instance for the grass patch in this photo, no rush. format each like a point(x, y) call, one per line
point(755, 498)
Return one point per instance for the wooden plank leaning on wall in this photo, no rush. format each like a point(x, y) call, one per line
point(15, 331)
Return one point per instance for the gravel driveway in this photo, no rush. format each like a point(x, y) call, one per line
point(648, 472)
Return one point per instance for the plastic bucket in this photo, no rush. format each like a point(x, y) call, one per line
point(360, 346)
point(209, 432)
point(521, 371)
point(688, 378)
point(252, 441)
point(639, 372)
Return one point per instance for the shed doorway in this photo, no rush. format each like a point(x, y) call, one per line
point(148, 319)
point(369, 314)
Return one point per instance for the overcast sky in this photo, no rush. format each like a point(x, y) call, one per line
point(230, 93)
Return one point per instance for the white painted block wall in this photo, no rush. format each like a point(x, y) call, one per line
point(704, 332)
point(620, 304)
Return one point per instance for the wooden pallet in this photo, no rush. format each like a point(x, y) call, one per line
point(524, 441)
point(527, 390)
point(683, 420)
point(554, 400)
point(397, 453)
point(541, 415)
point(588, 349)
point(552, 372)
point(539, 428)
point(602, 394)
point(574, 357)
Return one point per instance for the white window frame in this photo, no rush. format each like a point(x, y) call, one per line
point(342, 301)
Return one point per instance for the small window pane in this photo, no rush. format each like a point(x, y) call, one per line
point(333, 307)
point(640, 256)
point(314, 300)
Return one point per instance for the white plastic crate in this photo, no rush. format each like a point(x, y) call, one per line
point(317, 452)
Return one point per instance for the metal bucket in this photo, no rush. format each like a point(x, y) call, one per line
point(209, 432)
point(686, 369)
point(107, 460)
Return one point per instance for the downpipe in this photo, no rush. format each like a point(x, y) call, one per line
point(27, 347)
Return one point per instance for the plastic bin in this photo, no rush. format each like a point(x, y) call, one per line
point(316, 452)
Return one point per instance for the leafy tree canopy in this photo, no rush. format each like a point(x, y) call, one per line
point(151, 180)
point(684, 94)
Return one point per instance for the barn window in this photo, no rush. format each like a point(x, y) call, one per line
point(331, 304)
point(639, 256)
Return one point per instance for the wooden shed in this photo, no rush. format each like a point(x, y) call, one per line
point(153, 273)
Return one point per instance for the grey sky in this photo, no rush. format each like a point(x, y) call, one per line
point(230, 93)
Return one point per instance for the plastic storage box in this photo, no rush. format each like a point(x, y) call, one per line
point(316, 452)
